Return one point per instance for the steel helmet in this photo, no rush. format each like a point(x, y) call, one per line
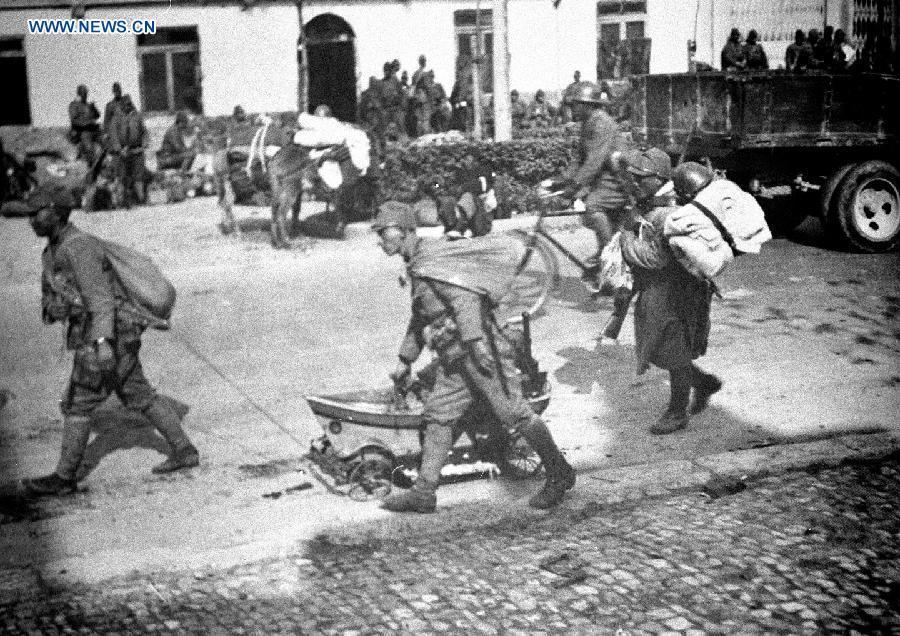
point(691, 177)
point(648, 162)
point(590, 93)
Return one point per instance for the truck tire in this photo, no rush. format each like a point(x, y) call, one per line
point(828, 191)
point(864, 214)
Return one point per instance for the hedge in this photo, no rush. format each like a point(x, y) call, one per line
point(521, 164)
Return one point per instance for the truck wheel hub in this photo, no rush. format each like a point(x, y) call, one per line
point(876, 210)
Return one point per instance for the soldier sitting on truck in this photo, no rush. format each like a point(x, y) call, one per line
point(754, 53)
point(798, 56)
point(733, 53)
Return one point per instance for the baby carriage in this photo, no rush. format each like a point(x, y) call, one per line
point(372, 439)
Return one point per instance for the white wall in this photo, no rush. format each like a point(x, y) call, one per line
point(246, 58)
point(546, 44)
point(249, 57)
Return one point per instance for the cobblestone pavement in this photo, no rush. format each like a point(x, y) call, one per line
point(799, 553)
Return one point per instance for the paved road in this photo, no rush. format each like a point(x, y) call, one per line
point(805, 338)
point(800, 553)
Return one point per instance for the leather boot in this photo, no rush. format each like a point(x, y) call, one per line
point(422, 497)
point(675, 417)
point(182, 454)
point(76, 432)
point(560, 475)
point(704, 384)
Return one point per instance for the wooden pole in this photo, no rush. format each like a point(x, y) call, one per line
point(502, 107)
point(476, 76)
point(303, 71)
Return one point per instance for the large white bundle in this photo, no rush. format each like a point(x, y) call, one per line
point(696, 243)
point(738, 212)
point(316, 132)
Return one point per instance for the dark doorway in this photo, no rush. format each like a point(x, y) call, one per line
point(15, 108)
point(332, 65)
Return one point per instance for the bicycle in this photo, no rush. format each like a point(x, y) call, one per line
point(537, 278)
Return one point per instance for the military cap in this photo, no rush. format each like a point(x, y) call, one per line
point(51, 196)
point(394, 214)
point(649, 162)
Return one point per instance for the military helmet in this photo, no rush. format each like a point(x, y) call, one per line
point(649, 162)
point(54, 196)
point(691, 177)
point(394, 214)
point(590, 93)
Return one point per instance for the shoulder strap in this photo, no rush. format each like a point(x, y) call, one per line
point(717, 223)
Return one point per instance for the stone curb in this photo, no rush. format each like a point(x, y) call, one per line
point(599, 488)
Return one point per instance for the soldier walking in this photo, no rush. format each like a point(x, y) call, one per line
point(672, 312)
point(78, 287)
point(476, 363)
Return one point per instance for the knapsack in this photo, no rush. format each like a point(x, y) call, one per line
point(148, 289)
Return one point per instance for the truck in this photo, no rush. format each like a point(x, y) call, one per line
point(817, 143)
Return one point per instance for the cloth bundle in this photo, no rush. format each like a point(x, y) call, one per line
point(721, 222)
point(322, 132)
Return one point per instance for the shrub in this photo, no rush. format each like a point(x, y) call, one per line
point(521, 164)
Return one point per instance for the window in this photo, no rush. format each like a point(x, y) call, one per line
point(170, 70)
point(465, 28)
point(15, 108)
point(622, 49)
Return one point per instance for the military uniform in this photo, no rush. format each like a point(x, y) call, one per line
point(607, 197)
point(84, 128)
point(671, 318)
point(76, 264)
point(131, 139)
point(476, 363)
point(174, 153)
point(79, 287)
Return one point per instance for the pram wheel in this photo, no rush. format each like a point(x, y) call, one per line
point(519, 460)
point(371, 477)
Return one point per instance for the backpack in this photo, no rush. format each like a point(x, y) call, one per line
point(150, 292)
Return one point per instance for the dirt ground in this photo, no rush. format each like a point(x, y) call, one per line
point(806, 340)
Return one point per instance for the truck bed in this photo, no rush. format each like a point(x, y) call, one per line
point(723, 112)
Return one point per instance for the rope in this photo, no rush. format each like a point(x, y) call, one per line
point(258, 146)
point(262, 411)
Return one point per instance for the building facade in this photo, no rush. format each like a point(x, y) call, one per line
point(209, 55)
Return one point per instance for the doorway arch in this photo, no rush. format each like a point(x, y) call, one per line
point(331, 59)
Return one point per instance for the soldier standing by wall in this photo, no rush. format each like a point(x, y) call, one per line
point(79, 288)
point(131, 141)
point(476, 362)
point(83, 116)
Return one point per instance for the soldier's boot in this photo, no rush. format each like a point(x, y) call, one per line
point(182, 453)
point(63, 481)
point(704, 385)
point(422, 497)
point(560, 475)
point(675, 416)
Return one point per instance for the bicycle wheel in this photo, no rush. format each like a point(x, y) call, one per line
point(537, 279)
